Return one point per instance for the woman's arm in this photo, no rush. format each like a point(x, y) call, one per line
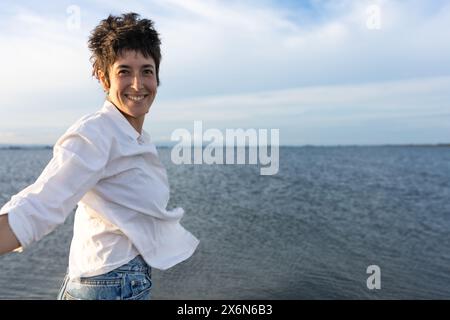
point(8, 240)
point(78, 163)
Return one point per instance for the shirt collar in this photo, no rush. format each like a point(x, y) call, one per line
point(123, 123)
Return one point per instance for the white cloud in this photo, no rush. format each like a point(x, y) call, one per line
point(220, 49)
point(41, 55)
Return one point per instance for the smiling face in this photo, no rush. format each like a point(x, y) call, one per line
point(133, 86)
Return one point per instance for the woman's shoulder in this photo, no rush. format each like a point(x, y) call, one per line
point(93, 123)
point(92, 128)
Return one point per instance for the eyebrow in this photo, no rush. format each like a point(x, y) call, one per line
point(124, 66)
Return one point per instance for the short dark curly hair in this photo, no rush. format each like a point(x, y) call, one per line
point(126, 32)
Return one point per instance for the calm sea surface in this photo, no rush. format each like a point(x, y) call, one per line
point(309, 232)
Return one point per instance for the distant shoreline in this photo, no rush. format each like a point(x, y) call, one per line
point(49, 147)
point(25, 147)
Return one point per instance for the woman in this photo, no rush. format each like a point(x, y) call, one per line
point(107, 165)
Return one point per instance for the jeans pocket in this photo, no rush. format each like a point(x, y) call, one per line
point(103, 287)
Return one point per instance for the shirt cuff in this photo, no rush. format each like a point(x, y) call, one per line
point(18, 224)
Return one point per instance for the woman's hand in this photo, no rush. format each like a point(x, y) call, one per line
point(8, 240)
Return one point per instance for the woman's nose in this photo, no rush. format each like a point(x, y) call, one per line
point(137, 83)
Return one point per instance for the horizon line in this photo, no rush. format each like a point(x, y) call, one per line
point(5, 146)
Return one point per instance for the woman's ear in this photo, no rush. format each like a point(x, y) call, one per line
point(103, 81)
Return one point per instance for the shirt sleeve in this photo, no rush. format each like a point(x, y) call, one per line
point(78, 163)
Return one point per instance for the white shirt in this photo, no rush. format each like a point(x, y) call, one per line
point(114, 174)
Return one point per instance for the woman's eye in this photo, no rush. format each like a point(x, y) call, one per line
point(148, 72)
point(123, 71)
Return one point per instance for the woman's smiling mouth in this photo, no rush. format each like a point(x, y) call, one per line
point(135, 97)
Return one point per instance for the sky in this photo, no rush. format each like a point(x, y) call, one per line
point(336, 72)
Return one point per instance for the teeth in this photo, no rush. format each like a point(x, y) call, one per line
point(135, 98)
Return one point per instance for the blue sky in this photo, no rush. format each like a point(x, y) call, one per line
point(312, 69)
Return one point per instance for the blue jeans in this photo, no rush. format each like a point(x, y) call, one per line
point(131, 281)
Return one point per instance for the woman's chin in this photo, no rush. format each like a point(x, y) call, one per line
point(137, 112)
